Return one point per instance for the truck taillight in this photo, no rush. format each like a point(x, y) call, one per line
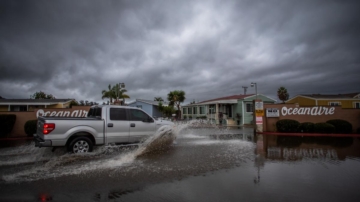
point(48, 127)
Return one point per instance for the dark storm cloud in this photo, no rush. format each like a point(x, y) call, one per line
point(206, 48)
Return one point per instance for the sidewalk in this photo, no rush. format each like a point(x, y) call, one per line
point(310, 134)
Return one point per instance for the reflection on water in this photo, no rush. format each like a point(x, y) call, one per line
point(294, 148)
point(205, 164)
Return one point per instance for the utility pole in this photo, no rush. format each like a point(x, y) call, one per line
point(244, 87)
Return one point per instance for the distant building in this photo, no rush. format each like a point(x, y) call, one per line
point(32, 104)
point(149, 106)
point(350, 100)
point(231, 110)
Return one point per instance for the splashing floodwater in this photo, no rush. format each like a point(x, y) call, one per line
point(44, 164)
point(162, 139)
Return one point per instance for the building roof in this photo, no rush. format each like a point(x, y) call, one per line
point(33, 101)
point(232, 97)
point(331, 96)
point(224, 100)
point(150, 102)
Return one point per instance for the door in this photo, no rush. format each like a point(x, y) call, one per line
point(141, 125)
point(117, 126)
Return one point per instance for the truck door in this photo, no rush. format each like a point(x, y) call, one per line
point(141, 125)
point(117, 126)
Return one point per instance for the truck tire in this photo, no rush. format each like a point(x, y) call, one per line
point(80, 145)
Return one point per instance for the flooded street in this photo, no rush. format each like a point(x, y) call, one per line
point(203, 164)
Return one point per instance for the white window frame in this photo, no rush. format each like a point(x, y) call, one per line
point(185, 110)
point(190, 111)
point(334, 104)
point(246, 108)
point(202, 110)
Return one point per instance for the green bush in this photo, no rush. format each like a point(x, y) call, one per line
point(7, 122)
point(287, 125)
point(306, 127)
point(341, 126)
point(30, 127)
point(324, 128)
point(185, 116)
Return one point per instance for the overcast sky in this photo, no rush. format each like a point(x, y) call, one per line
point(209, 49)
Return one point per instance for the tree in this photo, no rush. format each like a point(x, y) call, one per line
point(73, 103)
point(158, 99)
point(168, 111)
point(109, 93)
point(42, 95)
point(115, 93)
point(283, 94)
point(175, 98)
point(119, 93)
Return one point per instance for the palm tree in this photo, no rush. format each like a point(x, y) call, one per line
point(283, 94)
point(119, 93)
point(175, 98)
point(159, 99)
point(108, 93)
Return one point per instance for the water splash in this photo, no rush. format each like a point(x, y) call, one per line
point(162, 139)
point(104, 158)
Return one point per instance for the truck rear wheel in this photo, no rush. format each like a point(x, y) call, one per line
point(80, 145)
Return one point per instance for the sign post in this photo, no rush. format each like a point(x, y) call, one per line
point(258, 115)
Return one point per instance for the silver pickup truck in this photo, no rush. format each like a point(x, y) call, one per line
point(104, 124)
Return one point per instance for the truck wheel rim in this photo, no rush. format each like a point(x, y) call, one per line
point(81, 147)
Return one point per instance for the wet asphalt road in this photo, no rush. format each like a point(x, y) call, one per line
point(29, 173)
point(202, 165)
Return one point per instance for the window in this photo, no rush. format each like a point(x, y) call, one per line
point(139, 106)
point(94, 112)
point(189, 110)
point(334, 103)
point(184, 110)
point(118, 114)
point(18, 108)
point(202, 110)
point(195, 110)
point(357, 105)
point(249, 107)
point(212, 109)
point(137, 115)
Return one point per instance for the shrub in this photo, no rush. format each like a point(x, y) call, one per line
point(306, 127)
point(324, 128)
point(287, 125)
point(341, 126)
point(30, 127)
point(7, 122)
point(185, 116)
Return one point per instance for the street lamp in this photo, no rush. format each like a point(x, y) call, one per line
point(252, 85)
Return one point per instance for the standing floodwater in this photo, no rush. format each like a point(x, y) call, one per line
point(206, 164)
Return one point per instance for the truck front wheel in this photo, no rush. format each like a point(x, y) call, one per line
point(80, 145)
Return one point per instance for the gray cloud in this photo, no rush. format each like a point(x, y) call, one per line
point(206, 48)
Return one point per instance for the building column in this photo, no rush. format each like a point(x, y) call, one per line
point(216, 112)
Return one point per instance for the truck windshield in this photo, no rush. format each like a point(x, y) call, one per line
point(94, 112)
